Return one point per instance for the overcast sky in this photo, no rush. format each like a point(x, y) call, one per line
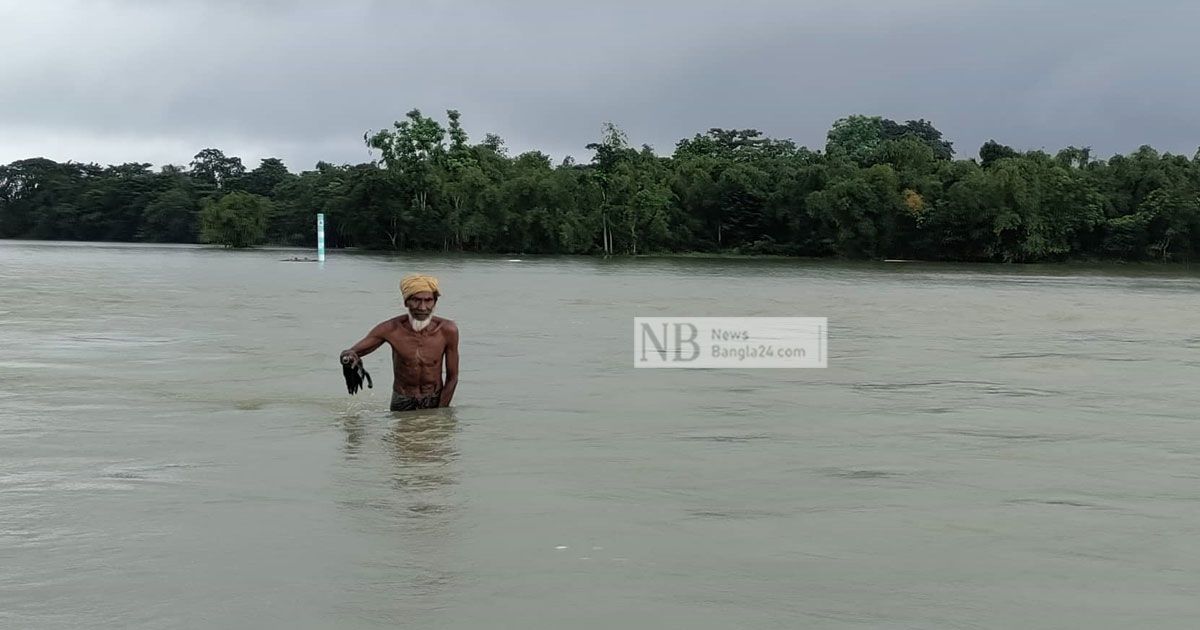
point(155, 81)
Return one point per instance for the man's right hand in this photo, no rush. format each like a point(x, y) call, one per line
point(352, 356)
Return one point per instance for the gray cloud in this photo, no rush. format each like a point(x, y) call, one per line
point(158, 81)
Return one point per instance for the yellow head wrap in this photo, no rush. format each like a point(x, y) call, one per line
point(417, 283)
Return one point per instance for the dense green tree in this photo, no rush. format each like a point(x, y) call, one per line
point(855, 137)
point(923, 131)
point(238, 219)
point(262, 181)
point(992, 151)
point(171, 218)
point(214, 171)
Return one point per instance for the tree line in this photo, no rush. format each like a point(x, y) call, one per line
point(878, 189)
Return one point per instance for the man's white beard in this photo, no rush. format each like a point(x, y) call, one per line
point(419, 324)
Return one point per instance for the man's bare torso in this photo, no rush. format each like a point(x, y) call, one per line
point(417, 357)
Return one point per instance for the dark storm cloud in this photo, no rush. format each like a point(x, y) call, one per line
point(157, 81)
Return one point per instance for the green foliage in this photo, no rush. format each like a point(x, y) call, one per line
point(855, 137)
point(991, 151)
point(171, 218)
point(239, 219)
point(880, 189)
point(213, 171)
point(262, 181)
point(922, 131)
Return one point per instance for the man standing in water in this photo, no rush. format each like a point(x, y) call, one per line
point(421, 344)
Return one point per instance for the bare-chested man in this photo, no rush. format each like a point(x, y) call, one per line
point(421, 345)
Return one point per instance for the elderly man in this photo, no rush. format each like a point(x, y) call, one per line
point(421, 344)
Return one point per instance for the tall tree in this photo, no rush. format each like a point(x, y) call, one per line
point(923, 131)
point(239, 219)
point(262, 181)
point(213, 168)
point(992, 151)
point(855, 137)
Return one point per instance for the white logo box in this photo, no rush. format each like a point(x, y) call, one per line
point(730, 342)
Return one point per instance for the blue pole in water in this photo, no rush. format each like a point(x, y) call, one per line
point(321, 237)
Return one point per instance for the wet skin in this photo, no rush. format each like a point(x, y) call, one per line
point(418, 357)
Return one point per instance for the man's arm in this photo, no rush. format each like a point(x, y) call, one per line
point(367, 344)
point(451, 360)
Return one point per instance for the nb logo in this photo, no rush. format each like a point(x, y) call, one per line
point(681, 347)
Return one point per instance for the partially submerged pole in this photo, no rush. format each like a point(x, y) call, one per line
point(321, 237)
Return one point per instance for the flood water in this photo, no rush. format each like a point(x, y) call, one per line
point(990, 447)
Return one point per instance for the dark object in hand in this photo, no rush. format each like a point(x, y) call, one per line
point(355, 374)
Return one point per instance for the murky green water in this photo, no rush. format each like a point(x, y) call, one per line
point(991, 447)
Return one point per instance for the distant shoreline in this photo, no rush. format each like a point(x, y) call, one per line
point(528, 256)
point(879, 189)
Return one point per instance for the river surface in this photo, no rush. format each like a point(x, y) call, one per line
point(990, 447)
